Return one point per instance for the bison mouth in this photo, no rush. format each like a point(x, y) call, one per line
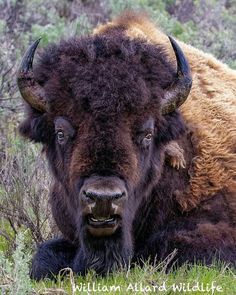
point(102, 226)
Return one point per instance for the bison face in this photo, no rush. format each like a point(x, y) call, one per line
point(104, 163)
point(103, 170)
point(103, 107)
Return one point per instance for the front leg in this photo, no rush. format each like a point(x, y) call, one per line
point(200, 243)
point(206, 243)
point(51, 257)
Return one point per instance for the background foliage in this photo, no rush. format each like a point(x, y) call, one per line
point(24, 180)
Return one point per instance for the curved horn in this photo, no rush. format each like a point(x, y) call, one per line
point(30, 90)
point(178, 92)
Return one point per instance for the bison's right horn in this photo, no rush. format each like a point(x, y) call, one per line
point(30, 90)
point(178, 92)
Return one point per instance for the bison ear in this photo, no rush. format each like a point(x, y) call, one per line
point(37, 128)
point(170, 127)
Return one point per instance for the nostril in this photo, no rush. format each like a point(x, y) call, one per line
point(118, 196)
point(90, 195)
point(95, 196)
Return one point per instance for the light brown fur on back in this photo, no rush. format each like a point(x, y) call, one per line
point(210, 111)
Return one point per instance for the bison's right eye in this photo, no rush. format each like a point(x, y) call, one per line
point(60, 136)
point(63, 130)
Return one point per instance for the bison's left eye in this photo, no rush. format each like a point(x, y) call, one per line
point(147, 139)
point(148, 136)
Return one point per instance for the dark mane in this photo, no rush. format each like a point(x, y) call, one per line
point(114, 63)
point(105, 108)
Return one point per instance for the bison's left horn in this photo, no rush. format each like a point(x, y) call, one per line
point(30, 90)
point(178, 92)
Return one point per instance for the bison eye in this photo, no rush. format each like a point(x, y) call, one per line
point(147, 139)
point(148, 136)
point(60, 136)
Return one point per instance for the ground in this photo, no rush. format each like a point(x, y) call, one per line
point(25, 218)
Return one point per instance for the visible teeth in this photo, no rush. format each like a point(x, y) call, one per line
point(93, 219)
point(101, 219)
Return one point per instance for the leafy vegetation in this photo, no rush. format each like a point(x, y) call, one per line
point(25, 219)
point(14, 271)
point(197, 279)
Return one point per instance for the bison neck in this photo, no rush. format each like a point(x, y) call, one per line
point(104, 254)
point(161, 206)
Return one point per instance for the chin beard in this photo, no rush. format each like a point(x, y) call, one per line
point(105, 254)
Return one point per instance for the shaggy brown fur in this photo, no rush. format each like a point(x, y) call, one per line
point(104, 93)
point(210, 111)
point(175, 155)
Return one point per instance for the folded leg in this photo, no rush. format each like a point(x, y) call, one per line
point(51, 257)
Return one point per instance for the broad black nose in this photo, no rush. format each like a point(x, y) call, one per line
point(103, 195)
point(99, 189)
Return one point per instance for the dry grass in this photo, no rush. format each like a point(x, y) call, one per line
point(24, 177)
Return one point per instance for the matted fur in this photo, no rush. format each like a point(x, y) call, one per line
point(210, 111)
point(105, 91)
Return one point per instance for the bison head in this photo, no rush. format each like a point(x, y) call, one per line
point(104, 108)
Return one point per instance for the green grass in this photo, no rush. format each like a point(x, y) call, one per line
point(24, 178)
point(149, 280)
point(196, 279)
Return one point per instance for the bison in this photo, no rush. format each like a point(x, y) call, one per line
point(108, 109)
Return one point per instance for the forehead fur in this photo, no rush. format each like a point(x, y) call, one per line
point(106, 73)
